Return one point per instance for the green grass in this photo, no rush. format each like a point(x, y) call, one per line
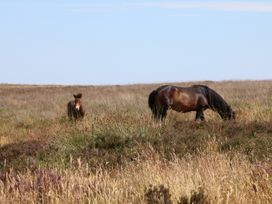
point(114, 146)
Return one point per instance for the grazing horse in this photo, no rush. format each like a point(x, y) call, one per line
point(185, 99)
point(74, 108)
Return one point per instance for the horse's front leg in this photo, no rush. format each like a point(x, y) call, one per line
point(200, 115)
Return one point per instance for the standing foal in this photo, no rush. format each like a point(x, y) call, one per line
point(74, 108)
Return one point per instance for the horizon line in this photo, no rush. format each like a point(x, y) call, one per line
point(131, 84)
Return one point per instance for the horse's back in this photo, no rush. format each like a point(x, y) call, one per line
point(183, 99)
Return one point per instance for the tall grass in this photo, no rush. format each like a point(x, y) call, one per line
point(118, 154)
point(223, 179)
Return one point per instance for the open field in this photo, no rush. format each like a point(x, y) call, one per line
point(118, 154)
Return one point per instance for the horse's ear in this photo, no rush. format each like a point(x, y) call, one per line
point(79, 95)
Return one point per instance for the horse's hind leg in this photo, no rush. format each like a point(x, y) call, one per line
point(163, 112)
point(164, 108)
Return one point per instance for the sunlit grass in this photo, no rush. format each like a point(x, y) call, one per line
point(118, 150)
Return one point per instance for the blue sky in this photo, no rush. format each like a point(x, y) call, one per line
point(140, 41)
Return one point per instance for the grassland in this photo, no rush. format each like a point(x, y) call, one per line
point(118, 154)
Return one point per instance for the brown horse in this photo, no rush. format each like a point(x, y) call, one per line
point(74, 108)
point(185, 99)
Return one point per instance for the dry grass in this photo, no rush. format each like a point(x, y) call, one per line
point(223, 180)
point(122, 151)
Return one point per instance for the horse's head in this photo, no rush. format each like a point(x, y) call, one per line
point(229, 114)
point(77, 101)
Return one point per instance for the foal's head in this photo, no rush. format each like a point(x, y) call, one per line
point(77, 101)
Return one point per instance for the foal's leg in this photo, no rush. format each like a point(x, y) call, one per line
point(70, 112)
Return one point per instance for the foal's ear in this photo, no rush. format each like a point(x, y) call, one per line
point(79, 95)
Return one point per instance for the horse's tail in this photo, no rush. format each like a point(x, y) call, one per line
point(151, 102)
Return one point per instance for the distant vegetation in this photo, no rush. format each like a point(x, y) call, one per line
point(118, 154)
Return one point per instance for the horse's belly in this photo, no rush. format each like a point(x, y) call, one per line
point(182, 107)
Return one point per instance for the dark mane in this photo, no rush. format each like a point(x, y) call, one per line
point(200, 85)
point(215, 101)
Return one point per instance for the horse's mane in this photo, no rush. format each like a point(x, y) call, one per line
point(200, 85)
point(215, 101)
